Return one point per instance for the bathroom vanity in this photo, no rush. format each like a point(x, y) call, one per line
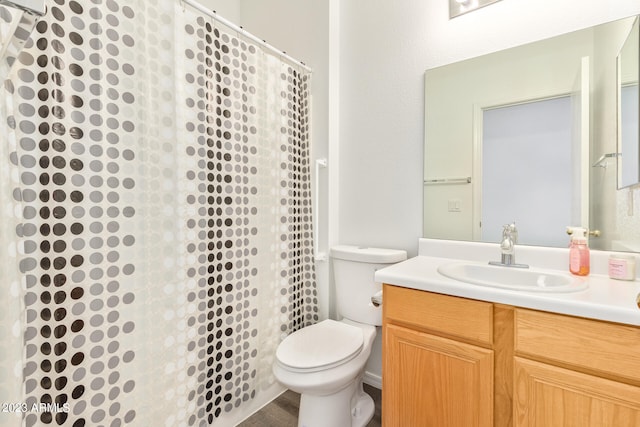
point(459, 354)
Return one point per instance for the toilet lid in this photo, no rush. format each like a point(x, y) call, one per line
point(320, 346)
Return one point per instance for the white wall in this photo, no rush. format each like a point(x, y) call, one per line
point(381, 104)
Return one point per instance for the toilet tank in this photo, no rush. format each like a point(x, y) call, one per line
point(354, 268)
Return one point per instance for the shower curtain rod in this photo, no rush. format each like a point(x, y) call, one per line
point(234, 27)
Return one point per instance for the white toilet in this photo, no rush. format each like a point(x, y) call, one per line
point(325, 362)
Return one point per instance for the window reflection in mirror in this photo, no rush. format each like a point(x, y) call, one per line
point(527, 160)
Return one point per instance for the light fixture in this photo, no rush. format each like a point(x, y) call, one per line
point(460, 7)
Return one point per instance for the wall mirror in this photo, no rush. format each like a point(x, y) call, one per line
point(628, 112)
point(529, 134)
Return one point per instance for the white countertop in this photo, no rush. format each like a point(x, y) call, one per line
point(604, 299)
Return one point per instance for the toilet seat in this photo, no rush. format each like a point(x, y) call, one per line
point(319, 347)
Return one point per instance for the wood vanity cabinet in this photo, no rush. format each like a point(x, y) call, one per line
point(457, 362)
point(438, 360)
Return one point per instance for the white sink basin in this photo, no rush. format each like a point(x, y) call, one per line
point(521, 279)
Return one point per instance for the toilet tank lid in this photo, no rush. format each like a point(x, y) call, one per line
point(369, 255)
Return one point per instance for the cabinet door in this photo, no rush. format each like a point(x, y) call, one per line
point(433, 381)
point(549, 396)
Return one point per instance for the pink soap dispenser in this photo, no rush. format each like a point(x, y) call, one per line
point(579, 260)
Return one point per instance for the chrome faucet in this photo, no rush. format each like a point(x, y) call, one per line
point(508, 247)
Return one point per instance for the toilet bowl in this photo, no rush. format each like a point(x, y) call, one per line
point(325, 365)
point(325, 362)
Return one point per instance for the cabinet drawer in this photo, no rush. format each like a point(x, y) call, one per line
point(609, 349)
point(441, 314)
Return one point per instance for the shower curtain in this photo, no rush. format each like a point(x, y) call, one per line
point(156, 226)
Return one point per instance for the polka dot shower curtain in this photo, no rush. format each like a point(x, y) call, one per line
point(156, 236)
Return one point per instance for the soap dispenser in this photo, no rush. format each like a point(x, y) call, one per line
point(579, 260)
